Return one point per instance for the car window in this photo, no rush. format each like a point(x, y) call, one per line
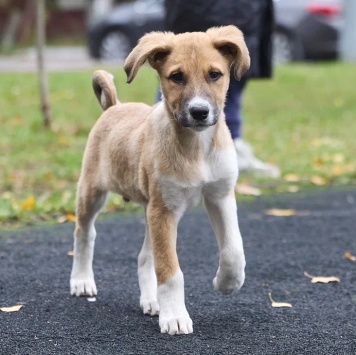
point(148, 6)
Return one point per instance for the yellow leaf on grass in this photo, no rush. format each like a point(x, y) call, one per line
point(278, 304)
point(244, 189)
point(338, 158)
point(321, 279)
point(318, 180)
point(349, 256)
point(11, 309)
point(28, 204)
point(280, 212)
point(291, 178)
point(338, 170)
point(70, 217)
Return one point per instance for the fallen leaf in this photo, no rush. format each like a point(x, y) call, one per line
point(11, 309)
point(318, 162)
point(28, 204)
point(244, 189)
point(318, 180)
point(293, 188)
point(278, 304)
point(338, 158)
point(61, 219)
point(291, 178)
point(349, 256)
point(338, 170)
point(70, 253)
point(68, 217)
point(321, 279)
point(280, 212)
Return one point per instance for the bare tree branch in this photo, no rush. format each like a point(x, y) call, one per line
point(42, 75)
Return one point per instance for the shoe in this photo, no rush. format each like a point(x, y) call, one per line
point(248, 163)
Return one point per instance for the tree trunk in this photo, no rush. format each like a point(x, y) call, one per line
point(42, 76)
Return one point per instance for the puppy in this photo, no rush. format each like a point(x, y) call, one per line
point(166, 157)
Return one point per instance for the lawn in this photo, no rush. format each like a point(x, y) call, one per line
point(302, 120)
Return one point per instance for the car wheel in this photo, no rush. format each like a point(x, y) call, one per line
point(114, 46)
point(285, 49)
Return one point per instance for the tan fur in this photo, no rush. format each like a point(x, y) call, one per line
point(132, 144)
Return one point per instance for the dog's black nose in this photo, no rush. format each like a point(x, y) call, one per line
point(199, 113)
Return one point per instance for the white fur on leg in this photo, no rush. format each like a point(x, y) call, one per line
point(147, 279)
point(82, 276)
point(173, 317)
point(231, 272)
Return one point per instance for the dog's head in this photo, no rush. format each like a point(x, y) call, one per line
point(194, 70)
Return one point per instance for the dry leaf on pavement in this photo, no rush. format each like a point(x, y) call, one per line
point(280, 212)
point(321, 279)
point(11, 309)
point(278, 304)
point(349, 256)
point(293, 188)
point(244, 189)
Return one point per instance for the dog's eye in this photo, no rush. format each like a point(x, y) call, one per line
point(214, 75)
point(177, 78)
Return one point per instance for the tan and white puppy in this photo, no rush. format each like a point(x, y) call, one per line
point(166, 157)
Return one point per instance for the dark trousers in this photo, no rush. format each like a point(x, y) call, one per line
point(233, 106)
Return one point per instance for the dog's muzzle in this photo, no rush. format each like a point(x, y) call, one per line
point(198, 114)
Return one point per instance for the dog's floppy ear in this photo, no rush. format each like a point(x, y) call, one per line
point(229, 40)
point(153, 47)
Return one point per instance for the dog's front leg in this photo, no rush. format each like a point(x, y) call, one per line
point(223, 216)
point(162, 227)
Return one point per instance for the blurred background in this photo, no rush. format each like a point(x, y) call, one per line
point(305, 29)
point(303, 120)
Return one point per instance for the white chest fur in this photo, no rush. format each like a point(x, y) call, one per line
point(217, 176)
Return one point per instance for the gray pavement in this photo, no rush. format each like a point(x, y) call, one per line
point(35, 268)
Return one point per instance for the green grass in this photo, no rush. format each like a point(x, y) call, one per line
point(302, 120)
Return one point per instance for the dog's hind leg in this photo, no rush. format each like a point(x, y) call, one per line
point(223, 216)
point(147, 278)
point(89, 202)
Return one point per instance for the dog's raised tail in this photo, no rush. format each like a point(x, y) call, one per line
point(104, 89)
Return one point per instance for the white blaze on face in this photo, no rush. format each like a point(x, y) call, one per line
point(199, 103)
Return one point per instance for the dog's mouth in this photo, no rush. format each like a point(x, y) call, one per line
point(187, 122)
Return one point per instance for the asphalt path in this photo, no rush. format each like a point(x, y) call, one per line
point(35, 268)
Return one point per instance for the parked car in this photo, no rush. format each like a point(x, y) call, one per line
point(305, 29)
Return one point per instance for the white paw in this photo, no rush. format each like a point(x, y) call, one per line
point(228, 282)
point(175, 326)
point(150, 307)
point(84, 286)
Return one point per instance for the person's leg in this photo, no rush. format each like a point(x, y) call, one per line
point(247, 161)
point(233, 107)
